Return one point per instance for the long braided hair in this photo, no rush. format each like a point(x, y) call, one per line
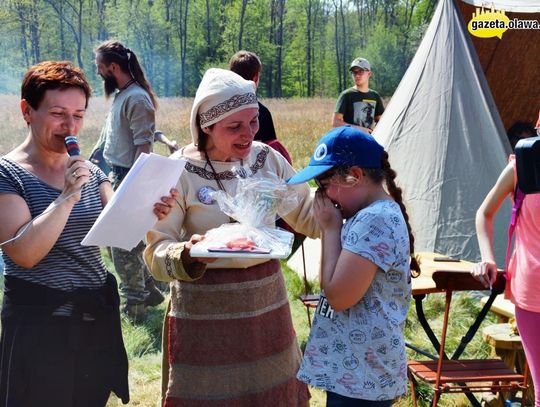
point(387, 174)
point(114, 51)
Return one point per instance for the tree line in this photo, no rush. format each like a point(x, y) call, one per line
point(306, 46)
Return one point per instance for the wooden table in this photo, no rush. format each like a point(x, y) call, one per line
point(421, 285)
point(424, 284)
point(503, 308)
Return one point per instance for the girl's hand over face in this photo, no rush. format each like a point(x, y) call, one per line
point(326, 213)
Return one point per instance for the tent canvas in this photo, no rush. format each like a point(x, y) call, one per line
point(445, 139)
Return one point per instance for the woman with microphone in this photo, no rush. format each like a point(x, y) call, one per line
point(61, 342)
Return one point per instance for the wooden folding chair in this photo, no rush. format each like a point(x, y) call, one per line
point(445, 375)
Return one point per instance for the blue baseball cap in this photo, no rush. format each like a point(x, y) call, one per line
point(343, 146)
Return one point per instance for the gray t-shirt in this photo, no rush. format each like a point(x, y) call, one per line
point(360, 352)
point(129, 124)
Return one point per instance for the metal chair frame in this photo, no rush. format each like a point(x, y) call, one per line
point(459, 375)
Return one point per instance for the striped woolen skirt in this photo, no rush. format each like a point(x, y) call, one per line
point(231, 342)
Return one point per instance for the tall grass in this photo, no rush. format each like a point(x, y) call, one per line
point(299, 124)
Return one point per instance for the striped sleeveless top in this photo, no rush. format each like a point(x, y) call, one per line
point(68, 265)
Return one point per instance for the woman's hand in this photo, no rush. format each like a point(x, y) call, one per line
point(187, 260)
point(163, 208)
point(485, 272)
point(75, 176)
point(326, 213)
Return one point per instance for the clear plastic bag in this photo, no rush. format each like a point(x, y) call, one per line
point(255, 207)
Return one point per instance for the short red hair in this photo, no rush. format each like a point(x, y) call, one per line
point(51, 75)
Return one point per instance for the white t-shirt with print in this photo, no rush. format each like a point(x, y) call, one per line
point(360, 352)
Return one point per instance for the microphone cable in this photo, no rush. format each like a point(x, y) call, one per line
point(73, 149)
point(23, 230)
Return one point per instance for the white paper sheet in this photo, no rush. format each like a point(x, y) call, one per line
point(129, 214)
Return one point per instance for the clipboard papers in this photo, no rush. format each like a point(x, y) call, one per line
point(129, 214)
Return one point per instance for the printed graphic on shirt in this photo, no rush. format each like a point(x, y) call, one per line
point(324, 309)
point(364, 112)
point(360, 352)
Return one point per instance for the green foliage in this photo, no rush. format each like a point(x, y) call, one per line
point(383, 53)
point(143, 342)
point(140, 339)
point(176, 41)
point(145, 338)
point(295, 285)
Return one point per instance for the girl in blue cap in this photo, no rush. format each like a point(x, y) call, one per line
point(356, 348)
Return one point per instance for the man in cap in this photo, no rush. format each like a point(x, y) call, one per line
point(359, 106)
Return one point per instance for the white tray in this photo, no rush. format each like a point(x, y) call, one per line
point(286, 239)
point(200, 251)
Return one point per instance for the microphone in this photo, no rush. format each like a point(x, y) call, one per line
point(72, 146)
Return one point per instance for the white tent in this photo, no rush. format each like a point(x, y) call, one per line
point(445, 139)
point(443, 130)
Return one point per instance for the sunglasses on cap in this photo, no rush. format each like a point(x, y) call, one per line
point(359, 72)
point(328, 174)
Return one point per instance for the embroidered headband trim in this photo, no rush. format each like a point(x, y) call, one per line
point(224, 107)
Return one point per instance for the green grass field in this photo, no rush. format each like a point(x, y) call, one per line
point(143, 343)
point(299, 124)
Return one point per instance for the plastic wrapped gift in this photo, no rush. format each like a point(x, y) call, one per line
point(255, 207)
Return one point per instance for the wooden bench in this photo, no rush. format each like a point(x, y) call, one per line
point(504, 341)
point(506, 344)
point(503, 308)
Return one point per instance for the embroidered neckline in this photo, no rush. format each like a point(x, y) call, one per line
point(228, 174)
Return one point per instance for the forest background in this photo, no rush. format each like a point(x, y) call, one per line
point(306, 45)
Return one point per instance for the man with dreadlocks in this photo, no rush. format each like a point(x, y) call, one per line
point(128, 132)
